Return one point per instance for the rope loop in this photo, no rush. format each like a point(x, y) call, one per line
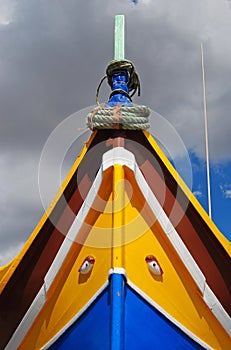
point(124, 65)
point(120, 66)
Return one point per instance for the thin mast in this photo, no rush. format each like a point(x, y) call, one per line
point(206, 134)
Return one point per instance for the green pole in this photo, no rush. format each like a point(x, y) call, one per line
point(119, 38)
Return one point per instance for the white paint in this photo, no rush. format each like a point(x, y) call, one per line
point(27, 320)
point(118, 270)
point(154, 268)
point(118, 155)
point(73, 231)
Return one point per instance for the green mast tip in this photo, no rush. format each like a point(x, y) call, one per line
point(119, 38)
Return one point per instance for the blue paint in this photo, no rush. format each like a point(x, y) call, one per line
point(91, 331)
point(119, 319)
point(120, 90)
point(117, 299)
point(145, 327)
point(135, 2)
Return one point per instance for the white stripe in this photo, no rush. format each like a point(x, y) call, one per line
point(73, 231)
point(217, 309)
point(170, 231)
point(168, 316)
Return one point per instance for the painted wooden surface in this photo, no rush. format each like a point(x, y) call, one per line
point(122, 218)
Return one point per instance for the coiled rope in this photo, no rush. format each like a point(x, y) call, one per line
point(119, 117)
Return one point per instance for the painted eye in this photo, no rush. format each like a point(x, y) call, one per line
point(153, 265)
point(87, 265)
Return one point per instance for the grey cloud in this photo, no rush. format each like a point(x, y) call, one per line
point(53, 54)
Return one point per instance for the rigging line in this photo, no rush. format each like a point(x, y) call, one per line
point(206, 135)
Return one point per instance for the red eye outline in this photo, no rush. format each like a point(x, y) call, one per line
point(90, 259)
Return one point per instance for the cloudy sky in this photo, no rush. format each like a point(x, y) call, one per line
point(52, 56)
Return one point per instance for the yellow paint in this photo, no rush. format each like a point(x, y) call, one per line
point(70, 292)
point(120, 231)
point(101, 236)
point(226, 244)
point(4, 270)
point(175, 291)
point(7, 271)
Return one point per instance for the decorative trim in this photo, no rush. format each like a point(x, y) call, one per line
point(74, 229)
point(123, 157)
point(217, 309)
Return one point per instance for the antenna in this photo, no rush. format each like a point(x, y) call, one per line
point(206, 134)
point(119, 38)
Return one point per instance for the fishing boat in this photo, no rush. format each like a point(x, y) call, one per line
point(125, 257)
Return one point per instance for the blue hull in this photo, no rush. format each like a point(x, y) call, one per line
point(121, 319)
